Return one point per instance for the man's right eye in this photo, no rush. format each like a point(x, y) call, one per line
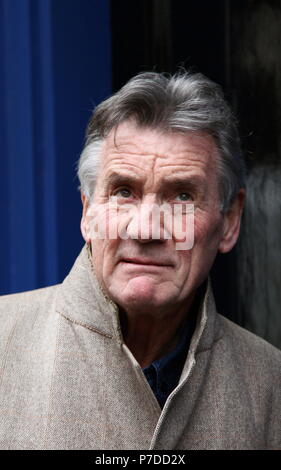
point(123, 192)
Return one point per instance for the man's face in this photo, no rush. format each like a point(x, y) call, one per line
point(141, 167)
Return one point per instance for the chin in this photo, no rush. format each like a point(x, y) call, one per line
point(142, 293)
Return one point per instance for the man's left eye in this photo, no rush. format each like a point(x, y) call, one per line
point(184, 197)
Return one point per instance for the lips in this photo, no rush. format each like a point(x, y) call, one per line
point(145, 262)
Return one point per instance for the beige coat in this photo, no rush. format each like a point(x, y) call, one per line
point(67, 380)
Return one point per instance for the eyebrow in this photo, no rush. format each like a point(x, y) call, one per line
point(180, 182)
point(117, 179)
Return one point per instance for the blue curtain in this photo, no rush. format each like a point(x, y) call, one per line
point(55, 65)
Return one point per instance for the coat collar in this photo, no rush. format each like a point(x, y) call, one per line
point(82, 301)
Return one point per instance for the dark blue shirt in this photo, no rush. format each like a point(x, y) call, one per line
point(163, 374)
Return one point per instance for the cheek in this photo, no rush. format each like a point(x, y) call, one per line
point(207, 229)
point(104, 257)
point(103, 223)
point(185, 265)
point(110, 221)
point(196, 263)
point(183, 229)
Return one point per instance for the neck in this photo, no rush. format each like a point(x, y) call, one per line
point(150, 336)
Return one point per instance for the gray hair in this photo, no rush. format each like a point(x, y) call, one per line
point(181, 103)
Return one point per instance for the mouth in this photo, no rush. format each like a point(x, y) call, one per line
point(145, 262)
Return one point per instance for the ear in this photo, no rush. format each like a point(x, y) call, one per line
point(231, 224)
point(84, 225)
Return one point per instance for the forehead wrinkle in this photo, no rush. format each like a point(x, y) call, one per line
point(123, 165)
point(202, 153)
point(156, 154)
point(145, 159)
point(113, 176)
point(131, 147)
point(190, 155)
point(183, 170)
point(128, 162)
point(130, 134)
point(200, 163)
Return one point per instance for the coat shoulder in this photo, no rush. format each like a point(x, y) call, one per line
point(250, 348)
point(22, 308)
point(21, 300)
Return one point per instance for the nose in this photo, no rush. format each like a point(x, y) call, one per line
point(146, 224)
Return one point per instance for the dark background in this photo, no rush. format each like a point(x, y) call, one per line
point(59, 58)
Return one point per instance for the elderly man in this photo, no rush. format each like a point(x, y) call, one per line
point(129, 352)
